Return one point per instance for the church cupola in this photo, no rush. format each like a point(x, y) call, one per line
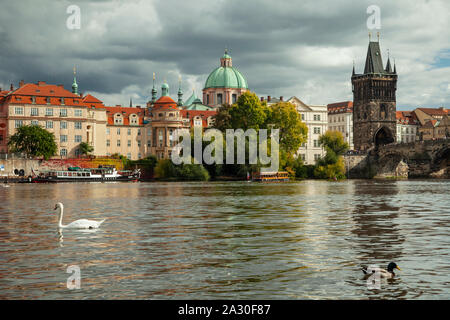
point(164, 89)
point(225, 61)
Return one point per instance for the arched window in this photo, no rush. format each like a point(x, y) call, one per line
point(383, 111)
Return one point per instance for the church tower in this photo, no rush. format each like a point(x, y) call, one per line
point(374, 101)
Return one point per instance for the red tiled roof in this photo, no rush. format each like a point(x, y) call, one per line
point(165, 102)
point(340, 107)
point(41, 91)
point(430, 124)
point(125, 112)
point(406, 117)
point(434, 111)
point(91, 99)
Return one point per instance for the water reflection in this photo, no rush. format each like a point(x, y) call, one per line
point(226, 240)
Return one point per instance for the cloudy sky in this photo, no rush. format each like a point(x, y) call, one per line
point(283, 48)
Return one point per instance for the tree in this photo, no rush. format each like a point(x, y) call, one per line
point(332, 165)
point(248, 112)
point(293, 132)
point(86, 148)
point(222, 119)
point(34, 141)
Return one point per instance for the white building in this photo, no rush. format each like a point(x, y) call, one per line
point(407, 126)
point(316, 119)
point(340, 118)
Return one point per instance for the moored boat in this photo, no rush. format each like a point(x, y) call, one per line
point(270, 176)
point(102, 174)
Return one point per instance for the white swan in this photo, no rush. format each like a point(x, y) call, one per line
point(78, 224)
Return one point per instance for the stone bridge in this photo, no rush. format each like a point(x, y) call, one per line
point(429, 158)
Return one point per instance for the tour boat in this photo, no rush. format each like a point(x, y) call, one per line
point(102, 174)
point(270, 176)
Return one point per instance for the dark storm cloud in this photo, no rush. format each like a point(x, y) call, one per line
point(282, 47)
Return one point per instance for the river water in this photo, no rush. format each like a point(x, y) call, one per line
point(226, 240)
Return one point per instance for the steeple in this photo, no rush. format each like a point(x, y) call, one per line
point(180, 93)
point(388, 64)
point(154, 92)
point(395, 68)
point(374, 63)
point(353, 72)
point(131, 103)
point(74, 84)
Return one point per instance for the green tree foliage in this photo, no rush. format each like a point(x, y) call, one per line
point(34, 141)
point(293, 132)
point(248, 112)
point(222, 119)
point(165, 169)
point(332, 165)
point(86, 148)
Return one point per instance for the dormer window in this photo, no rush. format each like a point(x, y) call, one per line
point(48, 100)
point(62, 101)
point(118, 119)
point(134, 119)
point(33, 100)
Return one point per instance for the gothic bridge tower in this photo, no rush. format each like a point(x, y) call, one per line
point(374, 102)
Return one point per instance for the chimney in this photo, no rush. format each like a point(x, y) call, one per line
point(61, 86)
point(12, 87)
point(268, 98)
point(281, 98)
point(262, 99)
point(41, 83)
point(21, 83)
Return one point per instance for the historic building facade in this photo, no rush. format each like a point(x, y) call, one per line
point(407, 126)
point(340, 118)
point(374, 101)
point(316, 119)
point(224, 85)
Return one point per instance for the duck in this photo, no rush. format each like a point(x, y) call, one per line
point(78, 224)
point(384, 273)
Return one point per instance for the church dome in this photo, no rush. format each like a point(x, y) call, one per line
point(226, 76)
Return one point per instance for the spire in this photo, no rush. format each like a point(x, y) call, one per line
point(131, 103)
point(353, 72)
point(374, 63)
point(395, 68)
point(225, 61)
point(154, 92)
point(74, 84)
point(180, 92)
point(388, 64)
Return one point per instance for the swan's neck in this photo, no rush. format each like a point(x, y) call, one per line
point(61, 212)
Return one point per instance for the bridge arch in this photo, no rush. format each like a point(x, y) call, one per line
point(383, 136)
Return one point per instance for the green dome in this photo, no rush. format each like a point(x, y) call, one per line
point(226, 77)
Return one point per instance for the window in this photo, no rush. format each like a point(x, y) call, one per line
point(18, 110)
point(129, 156)
point(77, 152)
point(317, 117)
point(62, 101)
point(63, 152)
point(139, 132)
point(317, 130)
point(34, 111)
point(316, 157)
point(108, 131)
point(49, 112)
point(63, 112)
point(219, 98)
point(149, 143)
point(63, 138)
point(48, 100)
point(139, 143)
point(160, 138)
point(303, 117)
point(78, 138)
point(18, 123)
point(78, 125)
point(63, 125)
point(108, 143)
point(118, 130)
point(34, 122)
point(234, 98)
point(129, 143)
point(303, 156)
point(33, 100)
point(49, 124)
point(316, 143)
point(78, 112)
point(139, 155)
point(118, 143)
point(129, 131)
